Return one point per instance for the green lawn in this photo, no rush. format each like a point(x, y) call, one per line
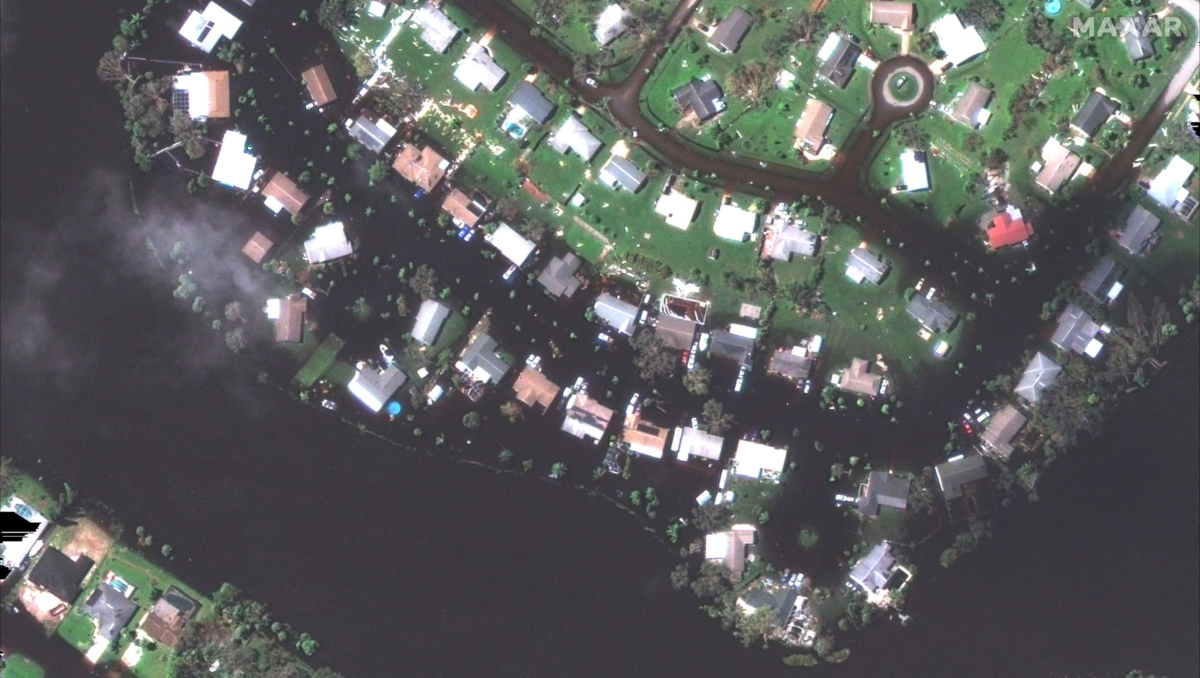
point(17, 666)
point(762, 131)
point(320, 361)
point(33, 492)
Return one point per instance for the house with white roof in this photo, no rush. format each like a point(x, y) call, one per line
point(692, 442)
point(235, 167)
point(874, 571)
point(437, 30)
point(1167, 187)
point(515, 247)
point(202, 94)
point(478, 69)
point(205, 29)
point(677, 209)
point(960, 43)
point(17, 550)
point(327, 243)
point(429, 321)
point(620, 315)
point(586, 418)
point(758, 461)
point(1038, 376)
point(732, 547)
point(573, 135)
point(373, 387)
point(735, 223)
point(610, 24)
point(1077, 332)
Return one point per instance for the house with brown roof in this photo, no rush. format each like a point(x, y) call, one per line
point(423, 166)
point(858, 379)
point(202, 94)
point(1060, 166)
point(810, 129)
point(1000, 431)
point(320, 88)
point(257, 247)
point(533, 388)
point(281, 193)
point(289, 327)
point(165, 621)
point(468, 209)
point(898, 15)
point(732, 548)
point(642, 437)
point(970, 109)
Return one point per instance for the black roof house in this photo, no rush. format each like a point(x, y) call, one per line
point(59, 575)
point(701, 97)
point(840, 65)
point(729, 34)
point(1100, 280)
point(1095, 112)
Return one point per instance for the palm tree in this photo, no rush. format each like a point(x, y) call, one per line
point(558, 470)
point(506, 456)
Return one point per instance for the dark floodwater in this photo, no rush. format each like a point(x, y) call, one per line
point(402, 564)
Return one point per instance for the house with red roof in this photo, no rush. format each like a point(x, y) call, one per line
point(1008, 228)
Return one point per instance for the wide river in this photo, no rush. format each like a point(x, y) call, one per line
point(405, 565)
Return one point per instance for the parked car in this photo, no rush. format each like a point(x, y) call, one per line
point(509, 273)
point(329, 405)
point(386, 353)
point(590, 82)
point(632, 406)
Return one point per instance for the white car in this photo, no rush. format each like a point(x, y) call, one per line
point(632, 406)
point(329, 405)
point(509, 273)
point(308, 293)
point(386, 353)
point(590, 82)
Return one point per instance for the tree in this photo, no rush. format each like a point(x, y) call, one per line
point(753, 82)
point(558, 470)
point(800, 660)
point(644, 19)
point(472, 421)
point(714, 419)
point(696, 381)
point(505, 456)
point(333, 15)
point(550, 13)
point(400, 97)
point(986, 15)
point(680, 577)
point(651, 356)
point(377, 172)
point(307, 644)
point(112, 68)
point(424, 282)
point(235, 339)
point(711, 582)
point(912, 136)
point(511, 411)
point(758, 625)
point(711, 517)
point(188, 134)
point(234, 312)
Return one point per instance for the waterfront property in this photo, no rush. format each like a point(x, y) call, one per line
point(858, 379)
point(1140, 231)
point(203, 95)
point(692, 442)
point(534, 388)
point(586, 418)
point(431, 317)
point(758, 461)
point(732, 548)
point(957, 475)
point(373, 386)
point(422, 166)
point(111, 611)
point(882, 489)
point(165, 622)
point(328, 243)
point(862, 265)
point(619, 315)
point(320, 87)
point(877, 572)
point(643, 437)
point(60, 576)
point(288, 314)
point(17, 550)
point(1077, 332)
point(1038, 376)
point(1001, 429)
point(1103, 282)
point(783, 601)
point(559, 277)
point(933, 314)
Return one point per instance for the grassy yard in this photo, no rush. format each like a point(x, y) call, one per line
point(320, 362)
point(33, 492)
point(761, 130)
point(17, 666)
point(1010, 66)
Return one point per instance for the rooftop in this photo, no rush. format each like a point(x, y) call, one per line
point(165, 621)
point(678, 209)
point(423, 166)
point(478, 69)
point(429, 321)
point(839, 67)
point(874, 570)
point(532, 387)
point(375, 135)
point(620, 172)
point(1076, 332)
point(952, 475)
point(960, 43)
point(60, 576)
point(787, 240)
point(207, 93)
point(559, 275)
point(620, 315)
point(586, 418)
point(1095, 112)
point(697, 443)
point(320, 88)
point(610, 24)
point(862, 265)
point(790, 364)
point(676, 333)
point(257, 247)
point(1166, 188)
point(728, 35)
point(289, 327)
point(756, 460)
point(1001, 430)
point(1140, 227)
point(731, 547)
point(644, 437)
point(281, 193)
point(532, 102)
point(914, 170)
point(235, 167)
point(934, 315)
point(968, 107)
point(734, 223)
point(1137, 38)
point(883, 489)
point(898, 15)
point(812, 125)
point(734, 346)
point(437, 30)
point(512, 245)
point(468, 209)
point(327, 243)
point(1039, 374)
point(857, 378)
point(1060, 165)
point(703, 97)
point(1007, 230)
point(373, 387)
point(1103, 282)
point(204, 29)
point(483, 361)
point(573, 135)
point(110, 610)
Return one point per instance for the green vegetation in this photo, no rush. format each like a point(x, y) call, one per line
point(18, 666)
point(320, 361)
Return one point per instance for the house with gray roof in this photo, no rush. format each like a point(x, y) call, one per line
point(862, 265)
point(619, 315)
point(373, 387)
point(478, 69)
point(701, 96)
point(789, 364)
point(1140, 228)
point(374, 135)
point(573, 135)
point(437, 30)
point(1136, 37)
point(781, 600)
point(839, 67)
point(676, 333)
point(882, 489)
point(1076, 332)
point(874, 571)
point(737, 347)
point(532, 102)
point(429, 321)
point(1039, 374)
point(696, 443)
point(958, 472)
point(110, 610)
point(789, 240)
point(1093, 114)
point(559, 275)
point(482, 361)
point(934, 315)
point(620, 172)
point(1103, 282)
point(1001, 429)
point(728, 35)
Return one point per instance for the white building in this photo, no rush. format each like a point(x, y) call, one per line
point(735, 223)
point(327, 243)
point(374, 387)
point(758, 461)
point(914, 171)
point(18, 550)
point(205, 29)
point(960, 43)
point(511, 244)
point(235, 167)
point(1167, 187)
